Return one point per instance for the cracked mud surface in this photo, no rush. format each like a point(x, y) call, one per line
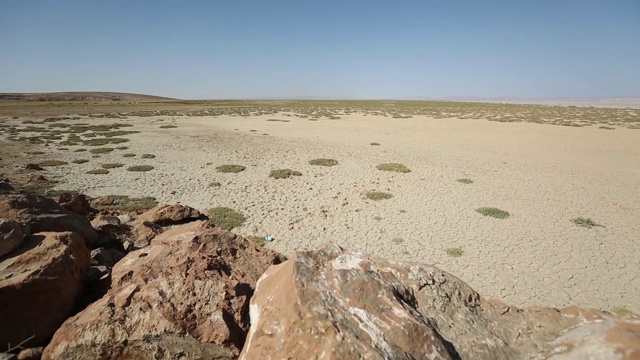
point(543, 175)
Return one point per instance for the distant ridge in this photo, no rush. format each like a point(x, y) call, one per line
point(609, 102)
point(81, 96)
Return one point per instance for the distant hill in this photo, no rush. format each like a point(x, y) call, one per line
point(81, 96)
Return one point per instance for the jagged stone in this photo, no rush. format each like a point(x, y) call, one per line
point(165, 215)
point(186, 295)
point(337, 304)
point(44, 214)
point(76, 203)
point(39, 285)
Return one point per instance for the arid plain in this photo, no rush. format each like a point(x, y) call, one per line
point(546, 166)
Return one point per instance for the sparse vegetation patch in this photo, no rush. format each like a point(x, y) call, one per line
point(225, 218)
point(323, 162)
point(493, 212)
point(284, 173)
point(454, 251)
point(111, 165)
point(140, 168)
point(585, 222)
point(378, 195)
point(101, 150)
point(230, 168)
point(395, 167)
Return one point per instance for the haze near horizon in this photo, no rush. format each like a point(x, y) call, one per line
point(332, 49)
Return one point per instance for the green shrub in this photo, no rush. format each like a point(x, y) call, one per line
point(585, 222)
point(323, 162)
point(225, 218)
point(377, 195)
point(493, 212)
point(98, 172)
point(111, 165)
point(395, 167)
point(148, 156)
point(465, 181)
point(230, 168)
point(455, 251)
point(140, 168)
point(80, 161)
point(284, 173)
point(101, 150)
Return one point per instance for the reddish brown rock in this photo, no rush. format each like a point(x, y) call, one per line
point(335, 304)
point(106, 224)
point(39, 285)
point(184, 296)
point(44, 214)
point(165, 215)
point(11, 236)
point(143, 233)
point(76, 203)
point(151, 223)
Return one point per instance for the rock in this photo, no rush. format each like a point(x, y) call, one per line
point(31, 354)
point(76, 203)
point(605, 339)
point(184, 296)
point(33, 167)
point(116, 255)
point(104, 201)
point(101, 257)
point(125, 218)
point(6, 186)
point(44, 214)
point(39, 285)
point(347, 305)
point(143, 233)
point(11, 236)
point(106, 224)
point(150, 224)
point(165, 215)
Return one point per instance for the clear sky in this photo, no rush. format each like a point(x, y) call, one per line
point(323, 48)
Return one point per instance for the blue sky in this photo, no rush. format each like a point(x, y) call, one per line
point(323, 48)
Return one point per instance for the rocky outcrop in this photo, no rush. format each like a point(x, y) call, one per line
point(44, 214)
point(153, 222)
point(39, 285)
point(76, 203)
point(165, 215)
point(336, 304)
point(186, 295)
point(11, 236)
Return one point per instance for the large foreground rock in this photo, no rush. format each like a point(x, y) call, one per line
point(44, 214)
point(335, 304)
point(184, 296)
point(39, 285)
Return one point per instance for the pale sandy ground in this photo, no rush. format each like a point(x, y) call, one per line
point(543, 175)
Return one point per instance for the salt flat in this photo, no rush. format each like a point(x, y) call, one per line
point(543, 175)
